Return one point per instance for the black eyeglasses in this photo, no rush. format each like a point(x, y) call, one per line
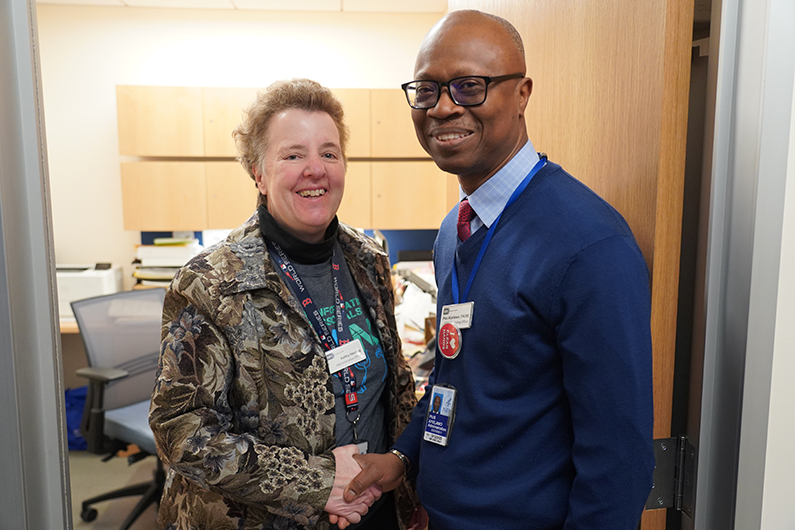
point(466, 91)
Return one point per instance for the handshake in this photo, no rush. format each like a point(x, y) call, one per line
point(359, 482)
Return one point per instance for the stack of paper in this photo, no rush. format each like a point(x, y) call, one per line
point(156, 264)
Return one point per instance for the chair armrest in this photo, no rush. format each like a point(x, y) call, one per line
point(102, 374)
point(94, 414)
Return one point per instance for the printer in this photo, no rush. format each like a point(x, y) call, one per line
point(76, 282)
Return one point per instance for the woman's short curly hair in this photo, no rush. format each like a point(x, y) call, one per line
point(251, 136)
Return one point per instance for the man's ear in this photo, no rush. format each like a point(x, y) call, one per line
point(525, 89)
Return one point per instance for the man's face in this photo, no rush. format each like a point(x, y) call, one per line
point(472, 142)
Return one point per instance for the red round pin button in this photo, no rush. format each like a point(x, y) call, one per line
point(449, 341)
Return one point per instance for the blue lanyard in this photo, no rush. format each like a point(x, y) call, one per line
point(518, 191)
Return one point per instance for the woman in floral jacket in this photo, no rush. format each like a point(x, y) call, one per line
point(254, 417)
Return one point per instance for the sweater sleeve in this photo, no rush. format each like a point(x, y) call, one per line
point(603, 328)
point(409, 442)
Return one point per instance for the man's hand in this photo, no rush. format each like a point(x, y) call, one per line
point(345, 512)
point(385, 471)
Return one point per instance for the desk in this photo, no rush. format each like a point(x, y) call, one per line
point(69, 326)
point(73, 354)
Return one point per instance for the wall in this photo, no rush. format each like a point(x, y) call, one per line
point(87, 51)
point(778, 511)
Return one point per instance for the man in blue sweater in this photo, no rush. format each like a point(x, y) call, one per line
point(544, 361)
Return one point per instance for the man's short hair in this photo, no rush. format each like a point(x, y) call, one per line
point(512, 31)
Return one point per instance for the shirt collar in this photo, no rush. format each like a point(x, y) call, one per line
point(489, 200)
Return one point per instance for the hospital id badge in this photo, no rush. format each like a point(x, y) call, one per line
point(441, 415)
point(459, 315)
point(348, 354)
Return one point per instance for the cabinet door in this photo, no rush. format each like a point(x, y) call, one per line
point(356, 208)
point(411, 195)
point(393, 130)
point(223, 112)
point(231, 195)
point(160, 121)
point(164, 196)
point(356, 102)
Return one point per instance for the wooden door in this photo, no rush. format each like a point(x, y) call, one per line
point(610, 105)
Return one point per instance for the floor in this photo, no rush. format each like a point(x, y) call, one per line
point(91, 476)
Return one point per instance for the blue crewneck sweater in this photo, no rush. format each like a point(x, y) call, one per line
point(553, 428)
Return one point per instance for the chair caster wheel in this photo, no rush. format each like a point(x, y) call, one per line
point(88, 514)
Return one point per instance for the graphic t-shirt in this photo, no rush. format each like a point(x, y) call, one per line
point(370, 373)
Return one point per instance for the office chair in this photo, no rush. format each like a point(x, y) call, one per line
point(121, 333)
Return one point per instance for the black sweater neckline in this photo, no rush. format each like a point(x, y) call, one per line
point(298, 249)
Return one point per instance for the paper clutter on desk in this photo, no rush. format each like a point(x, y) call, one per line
point(157, 264)
point(410, 314)
point(171, 254)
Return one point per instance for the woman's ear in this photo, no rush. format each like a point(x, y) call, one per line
point(260, 180)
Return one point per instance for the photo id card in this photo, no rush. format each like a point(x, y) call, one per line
point(441, 414)
point(344, 356)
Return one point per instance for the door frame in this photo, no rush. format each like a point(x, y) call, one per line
point(753, 77)
point(33, 434)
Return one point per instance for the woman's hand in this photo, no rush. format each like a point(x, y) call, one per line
point(342, 512)
point(419, 519)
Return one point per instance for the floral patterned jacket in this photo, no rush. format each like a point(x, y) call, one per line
point(243, 409)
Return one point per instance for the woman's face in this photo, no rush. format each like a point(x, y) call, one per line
point(304, 172)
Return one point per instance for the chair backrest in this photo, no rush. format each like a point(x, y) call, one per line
point(122, 330)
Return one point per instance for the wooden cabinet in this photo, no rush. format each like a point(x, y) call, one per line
point(406, 195)
point(222, 112)
point(390, 184)
point(411, 195)
point(356, 208)
point(164, 196)
point(198, 122)
point(231, 195)
point(168, 196)
point(393, 130)
point(358, 117)
point(206, 195)
point(160, 121)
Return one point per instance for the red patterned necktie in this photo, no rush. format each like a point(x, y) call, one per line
point(465, 215)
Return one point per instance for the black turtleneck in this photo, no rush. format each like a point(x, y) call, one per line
point(298, 249)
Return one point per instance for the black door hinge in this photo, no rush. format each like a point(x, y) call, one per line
point(674, 475)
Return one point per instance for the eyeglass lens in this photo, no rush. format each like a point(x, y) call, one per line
point(463, 90)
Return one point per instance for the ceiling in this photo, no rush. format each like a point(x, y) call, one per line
point(359, 6)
